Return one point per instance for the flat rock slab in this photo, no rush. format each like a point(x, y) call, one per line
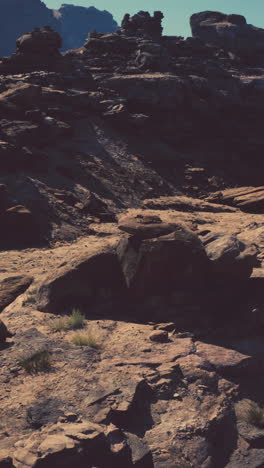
point(12, 287)
point(250, 199)
point(181, 203)
point(228, 361)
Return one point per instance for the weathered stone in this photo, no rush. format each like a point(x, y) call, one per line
point(12, 287)
point(4, 333)
point(230, 258)
point(163, 264)
point(19, 227)
point(249, 199)
point(145, 227)
point(227, 361)
point(159, 336)
point(180, 203)
point(25, 95)
point(44, 42)
point(95, 275)
point(229, 31)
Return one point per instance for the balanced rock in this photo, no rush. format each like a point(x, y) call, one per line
point(145, 226)
point(161, 265)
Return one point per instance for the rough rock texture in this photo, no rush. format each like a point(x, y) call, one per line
point(250, 199)
point(160, 265)
point(4, 333)
point(231, 258)
point(228, 31)
point(11, 287)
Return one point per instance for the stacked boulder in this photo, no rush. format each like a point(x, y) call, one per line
point(143, 24)
point(37, 49)
point(159, 258)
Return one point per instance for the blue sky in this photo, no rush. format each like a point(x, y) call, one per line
point(177, 12)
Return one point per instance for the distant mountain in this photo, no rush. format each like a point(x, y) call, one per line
point(76, 22)
point(73, 22)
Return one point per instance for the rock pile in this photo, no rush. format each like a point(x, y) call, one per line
point(143, 24)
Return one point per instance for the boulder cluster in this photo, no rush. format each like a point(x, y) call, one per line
point(143, 24)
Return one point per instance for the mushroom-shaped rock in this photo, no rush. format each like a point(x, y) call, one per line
point(161, 265)
point(145, 226)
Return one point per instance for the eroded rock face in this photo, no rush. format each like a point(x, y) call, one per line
point(231, 259)
point(11, 287)
point(249, 199)
point(228, 31)
point(4, 333)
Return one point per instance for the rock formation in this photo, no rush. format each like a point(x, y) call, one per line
point(228, 31)
point(132, 250)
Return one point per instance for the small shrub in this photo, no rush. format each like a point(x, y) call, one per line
point(85, 339)
point(59, 324)
point(37, 362)
point(254, 414)
point(73, 322)
point(76, 320)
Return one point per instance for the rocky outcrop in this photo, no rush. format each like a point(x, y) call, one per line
point(156, 264)
point(228, 31)
point(249, 199)
point(231, 259)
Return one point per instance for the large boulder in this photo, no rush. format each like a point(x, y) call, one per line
point(44, 42)
point(227, 31)
point(231, 259)
point(162, 265)
point(94, 275)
